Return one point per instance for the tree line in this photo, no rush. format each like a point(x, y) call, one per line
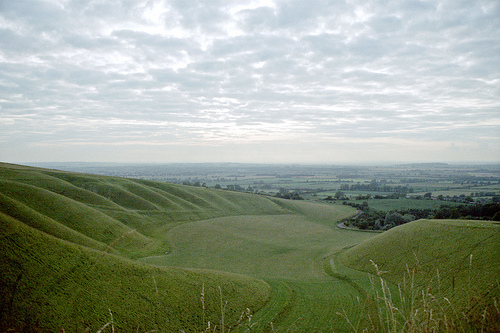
point(371, 219)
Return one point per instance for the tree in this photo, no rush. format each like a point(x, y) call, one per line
point(339, 195)
point(394, 218)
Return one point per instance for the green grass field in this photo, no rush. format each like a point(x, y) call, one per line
point(458, 251)
point(49, 284)
point(450, 267)
point(285, 249)
point(81, 251)
point(94, 236)
point(387, 205)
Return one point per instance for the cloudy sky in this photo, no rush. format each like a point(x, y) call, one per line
point(294, 81)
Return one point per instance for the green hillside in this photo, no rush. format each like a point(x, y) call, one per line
point(65, 240)
point(76, 249)
point(49, 284)
point(79, 251)
point(96, 211)
point(447, 265)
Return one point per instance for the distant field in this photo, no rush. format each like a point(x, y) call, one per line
point(405, 204)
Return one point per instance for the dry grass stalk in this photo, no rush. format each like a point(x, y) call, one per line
point(112, 326)
point(156, 287)
point(222, 309)
point(421, 311)
point(102, 328)
point(202, 298)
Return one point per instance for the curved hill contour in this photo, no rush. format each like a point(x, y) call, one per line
point(66, 244)
point(456, 259)
point(79, 252)
point(76, 253)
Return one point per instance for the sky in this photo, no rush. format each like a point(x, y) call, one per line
point(259, 81)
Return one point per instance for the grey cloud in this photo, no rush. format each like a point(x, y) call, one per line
point(42, 15)
point(323, 70)
point(387, 25)
point(203, 15)
point(295, 14)
point(260, 20)
point(89, 42)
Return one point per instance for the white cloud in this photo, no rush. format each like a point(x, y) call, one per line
point(290, 74)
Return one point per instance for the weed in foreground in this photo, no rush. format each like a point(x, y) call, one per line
point(416, 309)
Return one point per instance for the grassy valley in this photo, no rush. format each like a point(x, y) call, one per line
point(82, 251)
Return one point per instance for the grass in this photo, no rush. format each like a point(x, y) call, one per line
point(81, 252)
point(49, 284)
point(410, 308)
point(101, 209)
point(287, 251)
point(446, 272)
point(57, 226)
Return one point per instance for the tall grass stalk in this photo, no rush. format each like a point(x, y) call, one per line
point(207, 326)
point(417, 309)
point(103, 327)
point(112, 326)
point(107, 324)
point(222, 310)
point(202, 298)
point(156, 286)
point(246, 320)
point(387, 315)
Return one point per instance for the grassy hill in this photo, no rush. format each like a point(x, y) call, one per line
point(66, 242)
point(81, 251)
point(450, 266)
point(95, 211)
point(77, 250)
point(49, 284)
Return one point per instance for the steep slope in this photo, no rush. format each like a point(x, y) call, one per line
point(126, 216)
point(50, 285)
point(64, 243)
point(457, 259)
point(78, 250)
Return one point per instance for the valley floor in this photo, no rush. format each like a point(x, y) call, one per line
point(290, 252)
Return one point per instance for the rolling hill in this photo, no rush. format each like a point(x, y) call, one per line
point(79, 252)
point(67, 244)
point(49, 284)
point(449, 266)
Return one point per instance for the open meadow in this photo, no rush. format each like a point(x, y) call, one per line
point(88, 253)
